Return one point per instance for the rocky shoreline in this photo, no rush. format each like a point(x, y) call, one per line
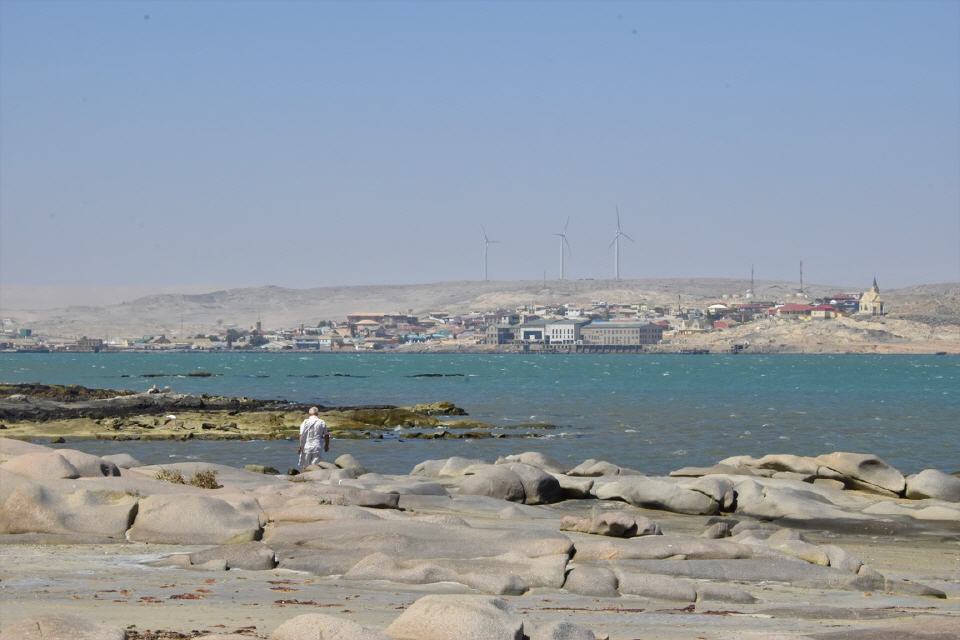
point(63, 413)
point(833, 547)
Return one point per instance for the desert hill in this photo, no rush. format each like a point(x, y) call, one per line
point(285, 307)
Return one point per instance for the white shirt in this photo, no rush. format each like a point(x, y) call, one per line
point(312, 432)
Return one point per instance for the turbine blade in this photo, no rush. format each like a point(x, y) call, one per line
point(613, 242)
point(628, 237)
point(618, 217)
point(566, 225)
point(566, 243)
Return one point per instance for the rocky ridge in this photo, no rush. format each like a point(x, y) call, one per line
point(520, 526)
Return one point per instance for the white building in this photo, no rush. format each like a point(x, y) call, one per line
point(564, 331)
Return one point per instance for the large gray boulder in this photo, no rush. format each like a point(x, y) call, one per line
point(347, 461)
point(772, 502)
point(776, 462)
point(535, 459)
point(588, 580)
point(865, 471)
point(750, 570)
point(193, 519)
point(123, 460)
point(561, 630)
point(654, 586)
point(393, 484)
point(10, 448)
point(539, 487)
point(618, 524)
point(413, 539)
point(319, 626)
point(89, 466)
point(42, 465)
point(445, 467)
point(931, 483)
point(494, 481)
point(576, 487)
point(457, 617)
point(651, 493)
point(253, 556)
point(31, 507)
point(662, 547)
point(592, 468)
point(60, 626)
point(507, 574)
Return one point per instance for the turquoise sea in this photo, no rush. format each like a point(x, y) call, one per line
point(651, 412)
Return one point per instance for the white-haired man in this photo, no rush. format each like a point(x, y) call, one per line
point(314, 439)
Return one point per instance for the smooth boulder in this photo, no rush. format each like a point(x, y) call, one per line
point(30, 507)
point(60, 627)
point(561, 630)
point(42, 465)
point(865, 469)
point(88, 465)
point(494, 482)
point(618, 524)
point(457, 617)
point(931, 483)
point(319, 626)
point(123, 460)
point(650, 493)
point(193, 519)
point(539, 487)
point(535, 459)
point(253, 556)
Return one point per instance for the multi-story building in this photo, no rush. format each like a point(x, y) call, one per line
point(501, 333)
point(621, 333)
point(564, 331)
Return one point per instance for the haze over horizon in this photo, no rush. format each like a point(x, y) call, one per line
point(150, 145)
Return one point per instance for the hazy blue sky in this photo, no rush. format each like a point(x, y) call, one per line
point(307, 144)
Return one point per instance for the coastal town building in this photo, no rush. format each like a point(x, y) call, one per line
point(564, 331)
point(823, 312)
point(870, 302)
point(621, 333)
point(533, 331)
point(501, 334)
point(792, 310)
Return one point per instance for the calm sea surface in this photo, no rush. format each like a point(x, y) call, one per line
point(650, 412)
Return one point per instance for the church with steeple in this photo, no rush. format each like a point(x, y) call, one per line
point(870, 302)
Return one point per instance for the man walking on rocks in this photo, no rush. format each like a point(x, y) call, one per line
point(313, 437)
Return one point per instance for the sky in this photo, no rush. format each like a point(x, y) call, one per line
point(305, 144)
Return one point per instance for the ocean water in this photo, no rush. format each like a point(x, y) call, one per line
point(650, 412)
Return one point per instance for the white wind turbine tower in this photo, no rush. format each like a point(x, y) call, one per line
point(486, 244)
point(616, 246)
point(564, 248)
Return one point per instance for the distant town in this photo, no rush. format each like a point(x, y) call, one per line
point(593, 328)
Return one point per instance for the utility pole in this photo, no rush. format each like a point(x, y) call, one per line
point(801, 276)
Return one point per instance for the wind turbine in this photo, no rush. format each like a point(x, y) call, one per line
point(616, 246)
point(564, 248)
point(486, 244)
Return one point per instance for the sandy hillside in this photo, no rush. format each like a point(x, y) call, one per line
point(283, 307)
